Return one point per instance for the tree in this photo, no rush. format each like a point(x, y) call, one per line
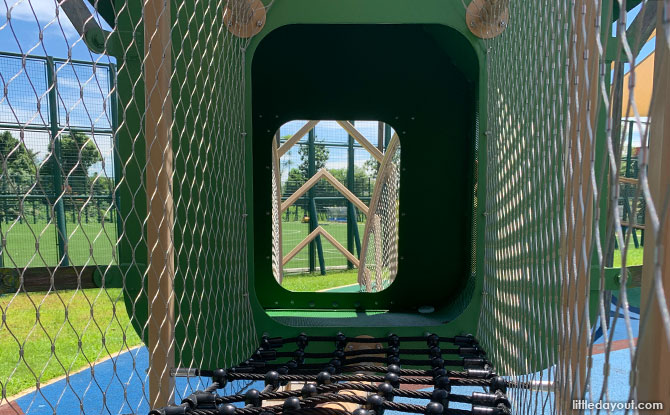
point(18, 164)
point(17, 173)
point(321, 154)
point(371, 166)
point(78, 154)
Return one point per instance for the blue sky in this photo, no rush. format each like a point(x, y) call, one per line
point(328, 132)
point(82, 93)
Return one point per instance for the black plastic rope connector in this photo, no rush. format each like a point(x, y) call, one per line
point(272, 379)
point(498, 383)
point(340, 340)
point(437, 362)
point(271, 342)
point(256, 364)
point(467, 340)
point(375, 403)
point(386, 391)
point(170, 410)
point(393, 369)
point(393, 340)
point(479, 373)
point(432, 340)
point(471, 351)
point(434, 408)
point(435, 351)
point(264, 355)
point(323, 378)
point(291, 404)
point(299, 356)
point(309, 390)
point(474, 363)
point(440, 396)
point(200, 400)
point(227, 409)
point(443, 382)
point(220, 376)
point(302, 341)
point(393, 379)
point(361, 411)
point(488, 410)
point(484, 399)
point(252, 398)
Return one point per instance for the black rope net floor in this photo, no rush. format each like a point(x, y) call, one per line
point(361, 376)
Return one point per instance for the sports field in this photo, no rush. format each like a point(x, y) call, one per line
point(293, 232)
point(35, 244)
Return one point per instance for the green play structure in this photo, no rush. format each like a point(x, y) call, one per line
point(418, 69)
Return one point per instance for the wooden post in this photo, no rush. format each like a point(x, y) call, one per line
point(160, 267)
point(577, 236)
point(653, 344)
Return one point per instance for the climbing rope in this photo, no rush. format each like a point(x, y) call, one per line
point(333, 378)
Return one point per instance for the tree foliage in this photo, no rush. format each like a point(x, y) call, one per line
point(78, 154)
point(18, 164)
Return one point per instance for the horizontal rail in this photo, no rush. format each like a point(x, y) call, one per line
point(323, 173)
point(309, 238)
point(46, 278)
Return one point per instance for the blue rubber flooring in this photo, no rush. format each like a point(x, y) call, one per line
point(115, 386)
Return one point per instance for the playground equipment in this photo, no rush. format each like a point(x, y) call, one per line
point(529, 97)
point(354, 208)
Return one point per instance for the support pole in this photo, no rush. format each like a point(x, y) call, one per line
point(315, 246)
point(654, 341)
point(160, 215)
point(351, 213)
point(577, 235)
point(56, 170)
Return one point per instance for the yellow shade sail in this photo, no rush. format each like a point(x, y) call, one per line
point(642, 88)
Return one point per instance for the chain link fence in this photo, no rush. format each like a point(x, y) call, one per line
point(57, 191)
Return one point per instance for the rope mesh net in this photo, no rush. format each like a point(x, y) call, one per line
point(123, 149)
point(552, 310)
point(361, 375)
point(379, 247)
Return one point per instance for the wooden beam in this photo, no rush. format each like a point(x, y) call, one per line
point(345, 192)
point(277, 205)
point(323, 173)
point(654, 339)
point(316, 232)
point(160, 215)
point(639, 32)
point(352, 131)
point(577, 235)
point(629, 180)
point(296, 137)
point(37, 279)
point(339, 247)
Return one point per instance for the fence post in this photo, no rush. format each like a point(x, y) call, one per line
point(351, 218)
point(654, 337)
point(113, 103)
point(160, 205)
point(315, 245)
point(59, 209)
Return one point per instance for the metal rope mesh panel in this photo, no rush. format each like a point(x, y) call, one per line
point(379, 247)
point(555, 147)
point(277, 255)
point(92, 194)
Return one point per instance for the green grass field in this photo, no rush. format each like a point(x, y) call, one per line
point(32, 323)
point(317, 282)
point(294, 232)
point(634, 256)
point(35, 244)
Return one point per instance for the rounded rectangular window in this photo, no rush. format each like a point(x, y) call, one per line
point(335, 193)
